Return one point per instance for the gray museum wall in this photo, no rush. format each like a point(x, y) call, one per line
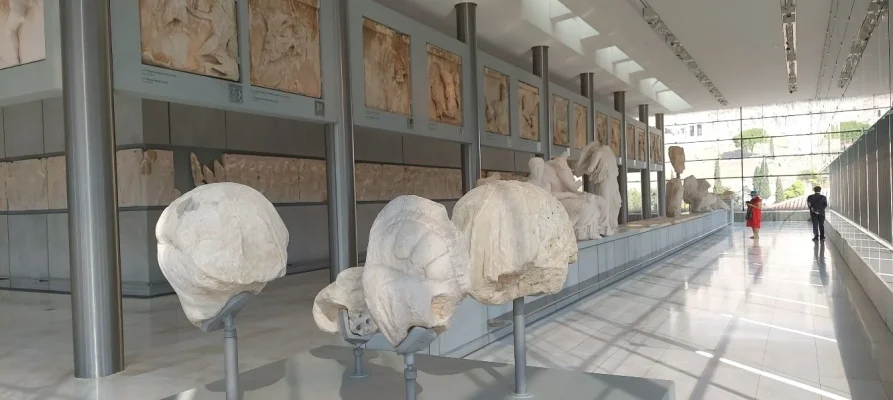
point(34, 244)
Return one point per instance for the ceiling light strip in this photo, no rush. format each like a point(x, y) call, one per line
point(860, 41)
point(659, 27)
point(789, 29)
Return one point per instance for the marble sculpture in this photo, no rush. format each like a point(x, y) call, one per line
point(586, 211)
point(656, 149)
point(284, 45)
point(217, 241)
point(521, 241)
point(560, 121)
point(674, 197)
point(615, 136)
point(696, 192)
point(386, 69)
point(445, 83)
point(346, 293)
point(199, 37)
point(600, 164)
point(496, 102)
point(529, 104)
point(22, 37)
point(580, 126)
point(677, 159)
point(417, 267)
point(601, 128)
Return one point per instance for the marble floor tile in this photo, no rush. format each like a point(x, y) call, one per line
point(729, 318)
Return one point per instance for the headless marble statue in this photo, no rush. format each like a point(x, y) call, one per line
point(584, 209)
point(600, 164)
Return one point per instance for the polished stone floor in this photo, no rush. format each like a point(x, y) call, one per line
point(729, 318)
point(726, 318)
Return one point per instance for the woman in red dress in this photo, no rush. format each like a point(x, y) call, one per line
point(755, 206)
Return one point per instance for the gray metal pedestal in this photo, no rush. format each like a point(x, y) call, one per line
point(322, 374)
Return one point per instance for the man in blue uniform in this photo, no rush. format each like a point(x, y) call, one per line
point(817, 205)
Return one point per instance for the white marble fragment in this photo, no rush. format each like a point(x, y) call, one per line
point(583, 209)
point(696, 192)
point(674, 197)
point(416, 271)
point(217, 241)
point(521, 241)
point(346, 293)
point(600, 164)
point(677, 159)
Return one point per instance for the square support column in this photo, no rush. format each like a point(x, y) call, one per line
point(466, 31)
point(587, 89)
point(646, 173)
point(661, 175)
point(541, 69)
point(620, 106)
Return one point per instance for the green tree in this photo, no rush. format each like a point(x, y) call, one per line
point(848, 131)
point(779, 190)
point(761, 180)
point(813, 177)
point(796, 189)
point(634, 200)
point(748, 139)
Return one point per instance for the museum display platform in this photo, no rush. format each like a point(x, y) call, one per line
point(322, 374)
point(601, 262)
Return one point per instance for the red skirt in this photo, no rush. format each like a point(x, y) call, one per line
point(754, 222)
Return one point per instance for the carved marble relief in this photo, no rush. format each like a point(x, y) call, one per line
point(631, 141)
point(277, 178)
point(284, 45)
point(496, 102)
point(196, 36)
point(386, 69)
point(615, 136)
point(26, 185)
point(656, 154)
point(145, 178)
point(506, 176)
point(560, 121)
point(641, 148)
point(529, 104)
point(377, 182)
point(580, 126)
point(601, 128)
point(313, 181)
point(22, 38)
point(445, 84)
point(57, 189)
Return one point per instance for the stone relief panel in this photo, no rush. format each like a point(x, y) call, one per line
point(284, 46)
point(580, 126)
point(57, 189)
point(277, 178)
point(496, 102)
point(506, 176)
point(386, 69)
point(631, 141)
point(615, 136)
point(22, 38)
point(601, 128)
point(529, 104)
point(199, 36)
point(26, 185)
point(656, 154)
point(445, 84)
point(641, 148)
point(145, 178)
point(383, 182)
point(560, 121)
point(313, 181)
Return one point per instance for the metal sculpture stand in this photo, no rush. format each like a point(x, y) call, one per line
point(519, 332)
point(357, 341)
point(417, 340)
point(225, 320)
